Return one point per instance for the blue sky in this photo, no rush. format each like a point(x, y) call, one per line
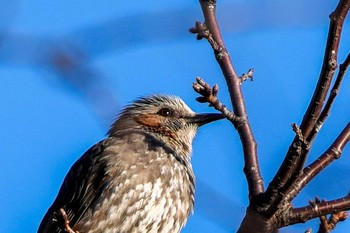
point(68, 67)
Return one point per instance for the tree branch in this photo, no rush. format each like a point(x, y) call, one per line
point(270, 210)
point(314, 210)
point(209, 95)
point(334, 92)
point(332, 153)
point(329, 66)
point(296, 155)
point(210, 31)
point(328, 224)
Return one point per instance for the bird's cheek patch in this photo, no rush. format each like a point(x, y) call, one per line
point(149, 120)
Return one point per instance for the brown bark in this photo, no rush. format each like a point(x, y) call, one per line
point(271, 209)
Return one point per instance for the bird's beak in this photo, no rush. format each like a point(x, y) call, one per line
point(202, 119)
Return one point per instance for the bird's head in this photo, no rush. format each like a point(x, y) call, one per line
point(166, 117)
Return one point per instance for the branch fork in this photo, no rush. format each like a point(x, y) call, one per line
point(272, 207)
point(327, 224)
point(203, 32)
point(209, 95)
point(300, 136)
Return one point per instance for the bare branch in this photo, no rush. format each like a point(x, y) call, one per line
point(332, 153)
point(282, 179)
point(299, 135)
point(273, 208)
point(329, 66)
point(248, 75)
point(295, 158)
point(202, 32)
point(328, 224)
point(334, 92)
point(314, 210)
point(209, 95)
point(210, 30)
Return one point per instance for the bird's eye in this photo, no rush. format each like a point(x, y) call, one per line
point(165, 112)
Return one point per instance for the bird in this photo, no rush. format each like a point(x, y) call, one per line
point(138, 179)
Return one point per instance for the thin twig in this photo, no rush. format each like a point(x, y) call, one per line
point(328, 224)
point(209, 95)
point(203, 32)
point(210, 31)
point(248, 75)
point(303, 214)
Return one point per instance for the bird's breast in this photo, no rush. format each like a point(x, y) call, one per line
point(154, 193)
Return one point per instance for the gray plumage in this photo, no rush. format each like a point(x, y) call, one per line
point(139, 179)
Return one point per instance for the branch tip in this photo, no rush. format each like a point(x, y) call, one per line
point(215, 89)
point(203, 32)
point(200, 29)
point(209, 95)
point(248, 75)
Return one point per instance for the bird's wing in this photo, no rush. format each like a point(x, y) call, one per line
point(81, 186)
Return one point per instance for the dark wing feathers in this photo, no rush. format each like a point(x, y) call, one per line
point(81, 186)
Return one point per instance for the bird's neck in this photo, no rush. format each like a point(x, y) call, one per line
point(180, 147)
